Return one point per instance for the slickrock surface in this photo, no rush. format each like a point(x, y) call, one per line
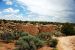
point(66, 43)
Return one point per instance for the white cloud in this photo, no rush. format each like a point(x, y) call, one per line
point(33, 17)
point(12, 17)
point(0, 12)
point(46, 7)
point(9, 2)
point(10, 10)
point(51, 10)
point(10, 14)
point(40, 10)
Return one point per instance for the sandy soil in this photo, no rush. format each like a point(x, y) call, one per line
point(66, 43)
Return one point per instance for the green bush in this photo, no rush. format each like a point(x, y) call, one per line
point(58, 34)
point(29, 43)
point(7, 37)
point(68, 29)
point(45, 36)
point(53, 42)
point(19, 34)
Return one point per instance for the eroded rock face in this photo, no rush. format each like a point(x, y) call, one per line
point(30, 28)
point(66, 43)
point(34, 29)
point(47, 28)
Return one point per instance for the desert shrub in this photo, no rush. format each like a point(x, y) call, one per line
point(12, 36)
point(45, 36)
point(68, 29)
point(7, 37)
point(58, 33)
point(28, 43)
point(19, 34)
point(53, 42)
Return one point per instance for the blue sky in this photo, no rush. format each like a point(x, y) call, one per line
point(38, 10)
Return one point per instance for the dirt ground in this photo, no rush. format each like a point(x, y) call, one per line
point(7, 46)
point(66, 43)
point(46, 48)
point(11, 46)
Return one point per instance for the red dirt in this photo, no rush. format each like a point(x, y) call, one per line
point(5, 46)
point(45, 48)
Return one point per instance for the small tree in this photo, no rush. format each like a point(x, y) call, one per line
point(68, 29)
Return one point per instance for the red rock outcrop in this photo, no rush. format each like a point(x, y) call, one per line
point(30, 28)
point(35, 29)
